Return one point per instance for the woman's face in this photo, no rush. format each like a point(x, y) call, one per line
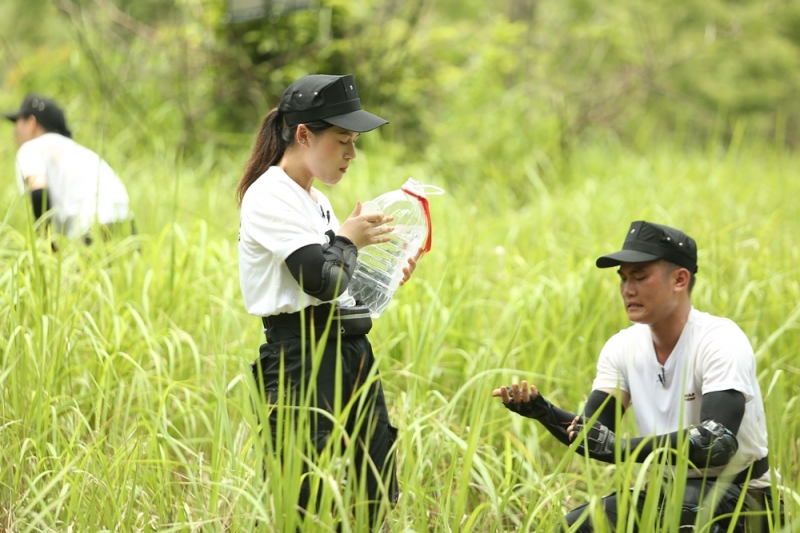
point(329, 153)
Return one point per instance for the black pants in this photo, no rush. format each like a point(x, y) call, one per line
point(696, 489)
point(368, 427)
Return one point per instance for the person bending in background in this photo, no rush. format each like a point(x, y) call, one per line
point(690, 375)
point(295, 263)
point(63, 177)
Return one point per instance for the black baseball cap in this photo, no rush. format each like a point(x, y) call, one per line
point(646, 241)
point(46, 111)
point(333, 99)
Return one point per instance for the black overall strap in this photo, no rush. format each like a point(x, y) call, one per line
point(754, 471)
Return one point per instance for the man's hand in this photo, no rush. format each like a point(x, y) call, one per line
point(522, 400)
point(530, 403)
point(521, 393)
point(599, 439)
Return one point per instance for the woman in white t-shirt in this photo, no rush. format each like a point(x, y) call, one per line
point(296, 260)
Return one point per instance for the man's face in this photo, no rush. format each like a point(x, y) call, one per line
point(648, 291)
point(24, 129)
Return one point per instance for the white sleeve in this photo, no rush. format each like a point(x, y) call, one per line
point(278, 224)
point(610, 374)
point(726, 361)
point(29, 163)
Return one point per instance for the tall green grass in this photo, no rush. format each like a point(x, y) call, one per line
point(126, 395)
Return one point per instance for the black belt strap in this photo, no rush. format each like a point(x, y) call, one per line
point(345, 321)
point(754, 471)
point(314, 316)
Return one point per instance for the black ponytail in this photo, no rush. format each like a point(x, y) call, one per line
point(271, 143)
point(267, 151)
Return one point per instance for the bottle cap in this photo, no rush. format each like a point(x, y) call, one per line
point(369, 207)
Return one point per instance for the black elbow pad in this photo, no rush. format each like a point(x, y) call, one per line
point(338, 268)
point(711, 444)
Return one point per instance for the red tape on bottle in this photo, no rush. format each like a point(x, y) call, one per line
point(427, 210)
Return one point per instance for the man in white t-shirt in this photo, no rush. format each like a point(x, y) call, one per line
point(691, 377)
point(63, 178)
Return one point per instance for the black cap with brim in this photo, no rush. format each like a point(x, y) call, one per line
point(359, 121)
point(333, 99)
point(646, 241)
point(624, 256)
point(13, 116)
point(46, 111)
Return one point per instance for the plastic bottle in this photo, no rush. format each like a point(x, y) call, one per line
point(380, 266)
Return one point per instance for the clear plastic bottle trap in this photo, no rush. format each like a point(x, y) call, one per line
point(380, 266)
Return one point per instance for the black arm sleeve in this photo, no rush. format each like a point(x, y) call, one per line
point(324, 270)
point(41, 202)
point(608, 408)
point(726, 408)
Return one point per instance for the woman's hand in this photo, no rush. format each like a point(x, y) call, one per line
point(363, 230)
point(412, 265)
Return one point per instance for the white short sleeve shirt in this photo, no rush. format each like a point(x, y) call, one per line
point(278, 217)
point(713, 354)
point(81, 186)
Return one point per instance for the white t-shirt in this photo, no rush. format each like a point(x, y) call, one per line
point(81, 187)
point(279, 217)
point(713, 354)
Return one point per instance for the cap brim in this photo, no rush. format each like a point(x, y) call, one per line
point(624, 256)
point(13, 116)
point(358, 121)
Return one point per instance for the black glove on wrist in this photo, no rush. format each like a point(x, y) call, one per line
point(555, 420)
point(599, 439)
point(536, 408)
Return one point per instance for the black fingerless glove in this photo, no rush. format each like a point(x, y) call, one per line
point(555, 420)
point(536, 408)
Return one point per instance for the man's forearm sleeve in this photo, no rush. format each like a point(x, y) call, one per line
point(607, 404)
point(712, 443)
point(726, 407)
point(644, 446)
point(41, 202)
point(557, 423)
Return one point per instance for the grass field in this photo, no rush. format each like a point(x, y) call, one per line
point(126, 404)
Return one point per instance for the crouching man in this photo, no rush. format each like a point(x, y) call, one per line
point(692, 378)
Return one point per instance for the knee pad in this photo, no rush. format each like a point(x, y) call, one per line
point(688, 517)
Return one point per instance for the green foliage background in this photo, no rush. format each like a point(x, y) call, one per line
point(551, 124)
